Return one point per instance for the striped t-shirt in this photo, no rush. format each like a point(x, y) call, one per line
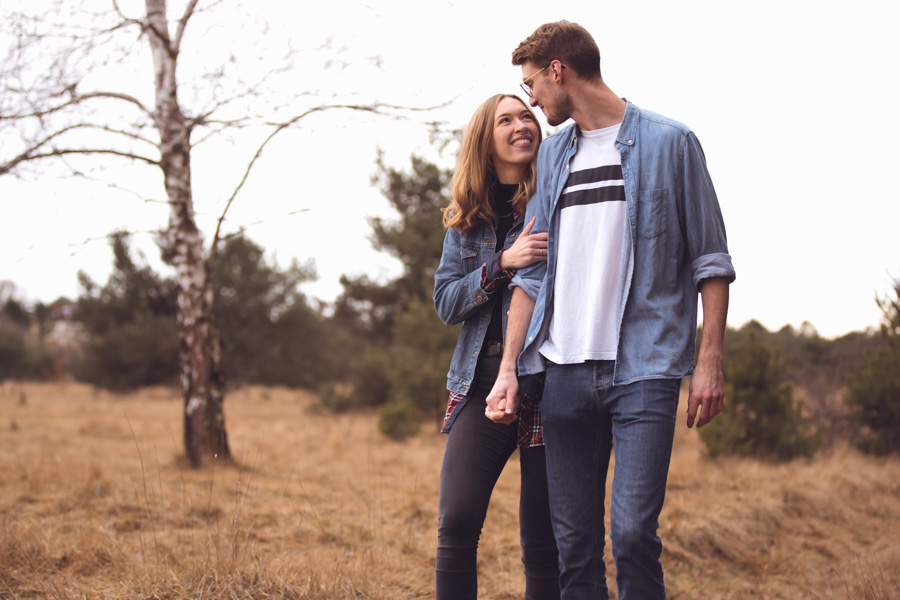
point(593, 235)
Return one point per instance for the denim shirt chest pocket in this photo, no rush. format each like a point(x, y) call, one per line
point(652, 213)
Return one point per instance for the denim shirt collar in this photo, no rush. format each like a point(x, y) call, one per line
point(627, 131)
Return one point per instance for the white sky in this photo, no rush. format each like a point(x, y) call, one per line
point(795, 103)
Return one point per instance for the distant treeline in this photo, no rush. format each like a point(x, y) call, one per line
point(380, 344)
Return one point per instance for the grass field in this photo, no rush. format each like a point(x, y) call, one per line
point(95, 502)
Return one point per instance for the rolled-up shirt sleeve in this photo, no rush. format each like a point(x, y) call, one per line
point(712, 265)
point(531, 286)
point(704, 227)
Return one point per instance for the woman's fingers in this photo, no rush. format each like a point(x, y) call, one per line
point(527, 229)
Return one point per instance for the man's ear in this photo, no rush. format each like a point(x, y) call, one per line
point(558, 68)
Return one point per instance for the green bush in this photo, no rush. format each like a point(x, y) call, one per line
point(398, 420)
point(23, 359)
point(874, 395)
point(874, 389)
point(12, 353)
point(140, 353)
point(761, 418)
point(421, 354)
point(370, 383)
point(410, 370)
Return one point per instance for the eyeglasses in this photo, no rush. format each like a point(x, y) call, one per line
point(525, 85)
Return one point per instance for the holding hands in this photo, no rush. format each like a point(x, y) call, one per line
point(503, 401)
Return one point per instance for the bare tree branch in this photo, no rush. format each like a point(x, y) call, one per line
point(4, 169)
point(73, 101)
point(32, 153)
point(182, 24)
point(114, 186)
point(161, 33)
point(279, 127)
point(125, 19)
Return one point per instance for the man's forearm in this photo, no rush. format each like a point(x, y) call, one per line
point(521, 307)
point(714, 297)
point(706, 394)
point(502, 402)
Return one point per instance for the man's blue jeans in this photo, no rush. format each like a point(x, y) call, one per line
point(583, 415)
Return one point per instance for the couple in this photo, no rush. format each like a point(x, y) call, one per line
point(592, 291)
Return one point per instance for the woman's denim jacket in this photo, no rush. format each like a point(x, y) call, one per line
point(460, 298)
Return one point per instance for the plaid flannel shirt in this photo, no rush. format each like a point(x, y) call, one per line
point(531, 433)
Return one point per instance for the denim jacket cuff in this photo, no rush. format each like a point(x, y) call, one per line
point(492, 276)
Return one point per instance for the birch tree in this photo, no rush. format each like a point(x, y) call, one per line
point(56, 109)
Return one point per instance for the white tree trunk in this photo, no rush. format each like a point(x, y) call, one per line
point(201, 377)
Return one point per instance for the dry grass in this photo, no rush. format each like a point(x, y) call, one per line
point(95, 503)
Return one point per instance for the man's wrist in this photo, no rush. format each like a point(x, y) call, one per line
point(711, 356)
point(507, 368)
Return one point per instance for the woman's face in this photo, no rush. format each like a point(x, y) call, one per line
point(516, 138)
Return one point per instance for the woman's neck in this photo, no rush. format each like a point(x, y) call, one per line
point(511, 174)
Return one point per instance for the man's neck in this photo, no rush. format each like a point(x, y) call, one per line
point(595, 106)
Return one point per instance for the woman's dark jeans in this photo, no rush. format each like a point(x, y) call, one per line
point(477, 449)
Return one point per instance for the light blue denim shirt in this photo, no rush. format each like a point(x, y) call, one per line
point(678, 240)
point(459, 297)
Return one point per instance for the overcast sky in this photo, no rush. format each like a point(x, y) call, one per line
point(794, 102)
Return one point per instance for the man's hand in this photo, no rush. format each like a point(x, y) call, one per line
point(706, 394)
point(503, 401)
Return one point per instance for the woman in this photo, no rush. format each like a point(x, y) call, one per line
point(484, 245)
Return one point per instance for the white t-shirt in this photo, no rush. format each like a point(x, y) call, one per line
point(593, 235)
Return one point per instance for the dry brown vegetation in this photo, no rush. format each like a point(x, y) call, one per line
point(95, 502)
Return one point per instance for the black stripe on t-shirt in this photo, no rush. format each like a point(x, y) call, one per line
point(595, 195)
point(605, 173)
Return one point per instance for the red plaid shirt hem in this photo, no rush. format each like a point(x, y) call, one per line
point(531, 433)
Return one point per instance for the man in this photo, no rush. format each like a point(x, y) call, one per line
point(635, 231)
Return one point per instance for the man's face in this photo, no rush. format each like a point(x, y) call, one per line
point(546, 94)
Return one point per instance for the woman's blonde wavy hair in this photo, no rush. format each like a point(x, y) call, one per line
point(475, 176)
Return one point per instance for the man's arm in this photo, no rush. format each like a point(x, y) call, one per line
point(707, 388)
point(503, 400)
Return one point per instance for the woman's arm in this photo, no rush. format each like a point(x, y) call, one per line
point(457, 291)
point(526, 250)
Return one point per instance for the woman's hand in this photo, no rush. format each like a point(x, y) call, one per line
point(503, 401)
point(526, 249)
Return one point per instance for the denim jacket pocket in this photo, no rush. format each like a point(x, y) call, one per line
point(653, 213)
point(468, 254)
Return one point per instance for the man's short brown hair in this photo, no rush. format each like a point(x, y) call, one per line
point(567, 42)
